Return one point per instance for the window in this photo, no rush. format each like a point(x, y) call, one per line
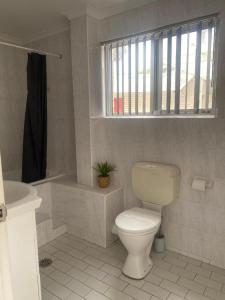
point(165, 72)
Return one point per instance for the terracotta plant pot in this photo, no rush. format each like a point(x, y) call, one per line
point(103, 181)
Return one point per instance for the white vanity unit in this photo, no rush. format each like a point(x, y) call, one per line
point(21, 202)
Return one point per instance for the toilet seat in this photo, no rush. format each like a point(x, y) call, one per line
point(138, 221)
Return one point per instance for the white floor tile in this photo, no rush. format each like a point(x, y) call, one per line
point(194, 286)
point(46, 280)
point(183, 272)
point(49, 249)
point(209, 267)
point(96, 285)
point(74, 297)
point(190, 260)
point(208, 282)
point(218, 277)
point(60, 277)
point(175, 297)
point(175, 261)
point(93, 261)
point(155, 290)
point(111, 270)
point(47, 296)
point(174, 288)
point(78, 287)
point(138, 283)
point(162, 264)
point(198, 270)
point(194, 296)
point(78, 274)
point(47, 270)
point(59, 290)
point(61, 266)
point(76, 253)
point(214, 294)
point(164, 274)
point(115, 282)
point(93, 295)
point(114, 294)
point(99, 274)
point(136, 293)
point(153, 279)
point(84, 271)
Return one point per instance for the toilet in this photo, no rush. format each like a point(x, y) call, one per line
point(155, 185)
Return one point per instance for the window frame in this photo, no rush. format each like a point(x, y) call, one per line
point(107, 93)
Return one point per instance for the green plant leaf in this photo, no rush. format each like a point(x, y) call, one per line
point(104, 168)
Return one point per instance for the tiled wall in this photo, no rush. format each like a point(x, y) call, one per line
point(12, 108)
point(13, 93)
point(88, 213)
point(61, 138)
point(80, 70)
point(194, 224)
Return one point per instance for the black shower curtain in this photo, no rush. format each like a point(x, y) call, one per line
point(35, 125)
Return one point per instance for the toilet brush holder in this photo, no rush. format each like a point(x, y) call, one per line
point(159, 244)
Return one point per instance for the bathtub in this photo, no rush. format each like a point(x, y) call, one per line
point(47, 179)
point(47, 228)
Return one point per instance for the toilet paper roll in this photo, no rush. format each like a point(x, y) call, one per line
point(199, 185)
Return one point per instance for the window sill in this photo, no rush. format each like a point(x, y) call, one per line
point(157, 117)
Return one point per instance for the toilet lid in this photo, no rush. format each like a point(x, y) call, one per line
point(138, 220)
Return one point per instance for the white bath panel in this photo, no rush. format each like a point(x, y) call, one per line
point(45, 230)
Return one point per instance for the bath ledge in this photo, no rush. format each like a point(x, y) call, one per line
point(70, 181)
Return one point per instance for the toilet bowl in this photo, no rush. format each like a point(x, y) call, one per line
point(136, 229)
point(156, 185)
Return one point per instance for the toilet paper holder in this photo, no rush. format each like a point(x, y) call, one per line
point(200, 183)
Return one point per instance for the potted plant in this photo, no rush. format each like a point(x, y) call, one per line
point(104, 169)
point(159, 242)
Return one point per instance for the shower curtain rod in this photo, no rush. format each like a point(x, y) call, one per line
point(30, 49)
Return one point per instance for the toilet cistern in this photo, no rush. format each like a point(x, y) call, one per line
point(156, 185)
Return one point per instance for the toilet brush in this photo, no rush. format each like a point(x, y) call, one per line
point(159, 242)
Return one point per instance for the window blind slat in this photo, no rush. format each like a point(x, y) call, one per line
point(144, 76)
point(153, 79)
point(178, 61)
point(129, 74)
point(197, 68)
point(111, 76)
point(117, 77)
point(136, 75)
point(208, 67)
point(106, 70)
point(159, 49)
point(108, 75)
point(187, 71)
point(169, 69)
point(123, 105)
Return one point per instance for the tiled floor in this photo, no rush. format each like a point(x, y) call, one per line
point(81, 270)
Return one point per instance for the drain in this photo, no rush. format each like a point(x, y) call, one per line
point(45, 262)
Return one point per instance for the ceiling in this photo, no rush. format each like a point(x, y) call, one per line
point(25, 20)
